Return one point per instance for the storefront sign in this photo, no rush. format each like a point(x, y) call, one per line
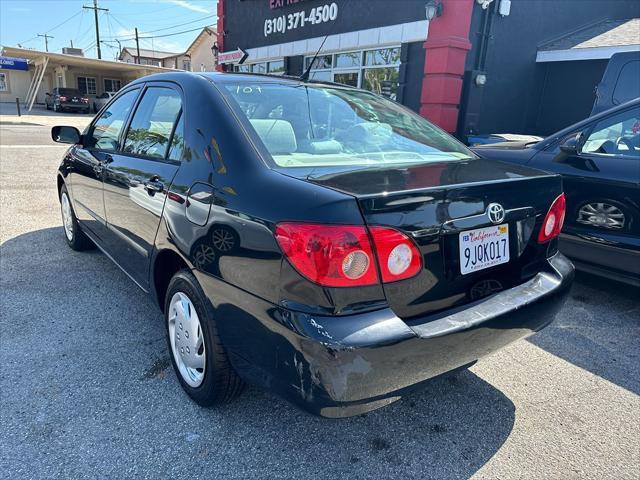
point(11, 63)
point(236, 56)
point(273, 4)
point(292, 21)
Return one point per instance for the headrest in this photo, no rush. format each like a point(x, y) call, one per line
point(371, 132)
point(277, 135)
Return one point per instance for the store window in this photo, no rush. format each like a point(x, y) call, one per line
point(4, 86)
point(112, 85)
point(276, 68)
point(375, 70)
point(87, 85)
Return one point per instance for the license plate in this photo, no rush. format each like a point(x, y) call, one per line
point(484, 248)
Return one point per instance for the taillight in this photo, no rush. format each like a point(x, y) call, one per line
point(62, 98)
point(342, 255)
point(553, 221)
point(330, 255)
point(84, 100)
point(398, 256)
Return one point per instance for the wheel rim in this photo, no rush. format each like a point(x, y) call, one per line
point(204, 255)
point(601, 214)
point(223, 239)
point(187, 342)
point(67, 216)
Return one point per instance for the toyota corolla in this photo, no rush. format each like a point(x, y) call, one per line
point(314, 239)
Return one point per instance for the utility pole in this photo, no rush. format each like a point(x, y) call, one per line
point(46, 42)
point(95, 9)
point(137, 47)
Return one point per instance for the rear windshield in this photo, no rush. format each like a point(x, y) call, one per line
point(69, 91)
point(308, 125)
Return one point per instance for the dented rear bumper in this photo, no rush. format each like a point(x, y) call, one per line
point(344, 366)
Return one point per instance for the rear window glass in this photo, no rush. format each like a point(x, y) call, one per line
point(324, 126)
point(69, 91)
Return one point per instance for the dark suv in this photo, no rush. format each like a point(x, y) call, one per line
point(62, 99)
point(315, 239)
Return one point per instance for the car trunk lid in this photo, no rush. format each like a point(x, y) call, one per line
point(437, 202)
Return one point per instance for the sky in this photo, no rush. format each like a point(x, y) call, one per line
point(22, 20)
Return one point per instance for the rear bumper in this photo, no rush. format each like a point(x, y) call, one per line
point(344, 366)
point(75, 106)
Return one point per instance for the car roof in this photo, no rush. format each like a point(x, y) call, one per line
point(225, 77)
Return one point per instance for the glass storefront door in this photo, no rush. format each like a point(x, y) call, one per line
point(346, 78)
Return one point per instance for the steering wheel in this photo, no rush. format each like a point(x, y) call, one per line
point(627, 143)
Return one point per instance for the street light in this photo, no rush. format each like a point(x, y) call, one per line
point(433, 8)
point(215, 49)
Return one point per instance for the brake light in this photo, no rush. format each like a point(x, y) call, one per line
point(398, 255)
point(342, 255)
point(330, 255)
point(62, 98)
point(84, 100)
point(553, 221)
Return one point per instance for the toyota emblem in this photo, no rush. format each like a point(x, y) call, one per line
point(495, 212)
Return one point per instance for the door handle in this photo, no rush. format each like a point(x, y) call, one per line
point(153, 186)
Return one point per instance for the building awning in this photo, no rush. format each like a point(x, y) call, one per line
point(594, 42)
point(76, 61)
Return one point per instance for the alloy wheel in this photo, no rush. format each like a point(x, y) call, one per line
point(601, 214)
point(67, 216)
point(223, 239)
point(186, 338)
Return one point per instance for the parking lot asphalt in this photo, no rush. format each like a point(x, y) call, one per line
point(87, 391)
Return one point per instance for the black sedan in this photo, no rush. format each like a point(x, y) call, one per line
point(62, 99)
point(315, 239)
point(599, 160)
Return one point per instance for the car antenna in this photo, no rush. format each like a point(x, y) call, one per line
point(305, 76)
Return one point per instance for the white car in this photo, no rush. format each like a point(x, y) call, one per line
point(101, 100)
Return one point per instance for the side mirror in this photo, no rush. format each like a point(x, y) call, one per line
point(64, 134)
point(570, 145)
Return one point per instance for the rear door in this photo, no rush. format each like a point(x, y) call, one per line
point(602, 181)
point(89, 161)
point(139, 176)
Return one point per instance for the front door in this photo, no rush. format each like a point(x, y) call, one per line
point(99, 145)
point(138, 178)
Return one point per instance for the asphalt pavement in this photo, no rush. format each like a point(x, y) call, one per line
point(87, 391)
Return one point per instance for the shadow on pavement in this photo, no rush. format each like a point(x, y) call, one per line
point(91, 392)
point(598, 330)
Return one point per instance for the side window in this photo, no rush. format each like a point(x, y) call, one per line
point(105, 132)
point(152, 123)
point(616, 135)
point(627, 86)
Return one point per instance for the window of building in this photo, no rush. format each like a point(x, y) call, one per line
point(105, 132)
point(112, 85)
point(375, 70)
point(186, 65)
point(276, 67)
point(4, 85)
point(152, 124)
point(259, 67)
point(87, 85)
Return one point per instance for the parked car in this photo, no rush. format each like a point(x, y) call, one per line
point(101, 100)
point(370, 250)
point(620, 82)
point(599, 160)
point(61, 99)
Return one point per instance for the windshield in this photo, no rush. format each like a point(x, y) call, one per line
point(309, 126)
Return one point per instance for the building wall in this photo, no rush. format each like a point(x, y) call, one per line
point(516, 97)
point(19, 81)
point(202, 58)
point(72, 74)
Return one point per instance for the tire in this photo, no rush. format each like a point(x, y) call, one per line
point(86, 111)
point(95, 108)
point(75, 237)
point(215, 382)
point(46, 105)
